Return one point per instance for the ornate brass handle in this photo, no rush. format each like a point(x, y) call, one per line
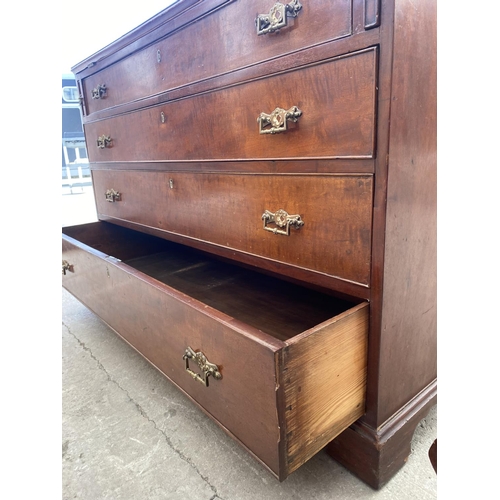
point(282, 220)
point(278, 120)
point(99, 92)
point(277, 17)
point(66, 266)
point(207, 369)
point(104, 141)
point(112, 196)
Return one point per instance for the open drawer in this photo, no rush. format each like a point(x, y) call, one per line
point(280, 367)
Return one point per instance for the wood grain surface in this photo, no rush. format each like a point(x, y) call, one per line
point(142, 74)
point(359, 167)
point(336, 97)
point(160, 323)
point(172, 297)
point(226, 210)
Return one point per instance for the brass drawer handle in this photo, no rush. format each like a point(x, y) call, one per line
point(99, 92)
point(66, 266)
point(112, 196)
point(207, 369)
point(278, 120)
point(283, 220)
point(104, 141)
point(277, 17)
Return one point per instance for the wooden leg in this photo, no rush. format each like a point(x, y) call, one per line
point(376, 455)
point(433, 455)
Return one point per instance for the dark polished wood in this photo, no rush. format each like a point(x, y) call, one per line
point(375, 455)
point(365, 81)
point(402, 350)
point(409, 314)
point(168, 298)
point(372, 14)
point(145, 72)
point(433, 455)
point(161, 323)
point(304, 277)
point(227, 210)
point(288, 62)
point(261, 166)
point(336, 122)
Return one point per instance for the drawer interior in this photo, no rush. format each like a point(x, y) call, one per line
point(276, 307)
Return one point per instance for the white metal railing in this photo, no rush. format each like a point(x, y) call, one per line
point(75, 173)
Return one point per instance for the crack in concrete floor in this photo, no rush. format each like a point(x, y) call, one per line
point(142, 412)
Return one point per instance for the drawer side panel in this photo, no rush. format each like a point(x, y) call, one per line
point(325, 382)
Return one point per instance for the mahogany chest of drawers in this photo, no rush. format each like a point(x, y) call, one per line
point(264, 177)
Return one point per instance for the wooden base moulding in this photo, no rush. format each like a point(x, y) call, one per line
point(375, 455)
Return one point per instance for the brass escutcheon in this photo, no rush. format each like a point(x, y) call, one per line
point(282, 219)
point(99, 92)
point(277, 17)
point(104, 141)
point(278, 120)
point(66, 266)
point(207, 369)
point(112, 195)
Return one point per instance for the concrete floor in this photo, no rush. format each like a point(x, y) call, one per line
point(127, 433)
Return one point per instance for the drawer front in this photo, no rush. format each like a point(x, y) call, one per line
point(161, 323)
point(228, 209)
point(335, 119)
point(222, 41)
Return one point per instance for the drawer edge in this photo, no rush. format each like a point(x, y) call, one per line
point(247, 331)
point(324, 378)
point(354, 288)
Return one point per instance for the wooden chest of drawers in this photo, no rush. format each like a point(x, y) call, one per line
point(264, 179)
